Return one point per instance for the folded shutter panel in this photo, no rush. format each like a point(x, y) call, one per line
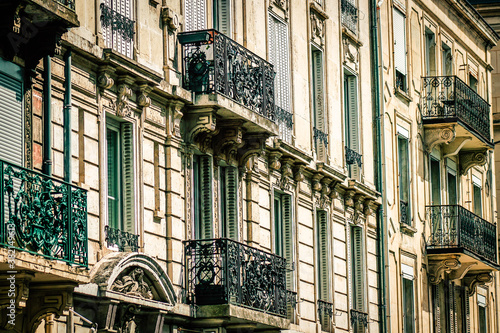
point(194, 15)
point(353, 119)
point(358, 268)
point(288, 237)
point(11, 119)
point(231, 203)
point(206, 196)
point(128, 178)
point(323, 254)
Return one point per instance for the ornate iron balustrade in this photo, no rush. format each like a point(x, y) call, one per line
point(401, 82)
point(68, 3)
point(449, 99)
point(404, 216)
point(124, 241)
point(291, 298)
point(43, 215)
point(349, 15)
point(359, 318)
point(285, 123)
point(325, 314)
point(221, 271)
point(321, 136)
point(214, 63)
point(118, 22)
point(352, 157)
point(453, 226)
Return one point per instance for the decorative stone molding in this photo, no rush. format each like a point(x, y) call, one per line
point(349, 198)
point(176, 114)
point(274, 160)
point(283, 4)
point(470, 159)
point(170, 18)
point(133, 284)
point(368, 210)
point(459, 273)
point(324, 199)
point(475, 280)
point(317, 27)
point(124, 92)
point(201, 128)
point(316, 184)
point(104, 79)
point(228, 140)
point(298, 170)
point(254, 145)
point(437, 268)
point(143, 99)
point(334, 187)
point(350, 54)
point(435, 136)
point(286, 174)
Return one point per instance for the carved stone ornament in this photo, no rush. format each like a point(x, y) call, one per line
point(475, 280)
point(253, 147)
point(201, 128)
point(133, 284)
point(175, 117)
point(283, 4)
point(470, 159)
point(274, 160)
point(317, 28)
point(142, 97)
point(228, 140)
point(367, 210)
point(122, 104)
point(170, 18)
point(286, 174)
point(298, 170)
point(316, 182)
point(351, 54)
point(437, 268)
point(349, 198)
point(435, 136)
point(105, 81)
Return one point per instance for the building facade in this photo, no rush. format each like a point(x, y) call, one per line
point(225, 166)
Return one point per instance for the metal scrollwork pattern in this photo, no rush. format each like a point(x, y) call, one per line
point(68, 3)
point(349, 15)
point(453, 226)
point(217, 64)
point(359, 318)
point(118, 22)
point(448, 97)
point(123, 240)
point(225, 271)
point(403, 207)
point(321, 136)
point(43, 215)
point(352, 157)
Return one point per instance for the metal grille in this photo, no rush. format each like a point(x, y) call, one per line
point(349, 15)
point(123, 240)
point(221, 271)
point(447, 98)
point(325, 314)
point(352, 157)
point(68, 3)
point(403, 206)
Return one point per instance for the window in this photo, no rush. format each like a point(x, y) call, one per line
point(399, 29)
point(121, 183)
point(229, 202)
point(408, 299)
point(352, 124)
point(404, 175)
point(357, 265)
point(476, 193)
point(435, 181)
point(11, 117)
point(447, 60)
point(322, 255)
point(451, 175)
point(473, 82)
point(320, 135)
point(283, 226)
point(279, 57)
point(222, 16)
point(194, 15)
point(430, 53)
point(119, 37)
point(202, 185)
point(482, 314)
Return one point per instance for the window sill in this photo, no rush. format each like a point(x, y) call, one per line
point(407, 229)
point(403, 95)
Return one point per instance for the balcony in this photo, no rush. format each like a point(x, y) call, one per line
point(121, 240)
point(42, 216)
point(236, 83)
point(226, 272)
point(352, 157)
point(456, 230)
point(325, 314)
point(359, 320)
point(349, 15)
point(449, 100)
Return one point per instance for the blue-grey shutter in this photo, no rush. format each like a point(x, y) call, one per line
point(128, 178)
point(358, 283)
point(11, 119)
point(206, 178)
point(353, 119)
point(323, 254)
point(224, 16)
point(231, 204)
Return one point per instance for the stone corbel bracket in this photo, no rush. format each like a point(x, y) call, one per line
point(104, 78)
point(228, 140)
point(170, 18)
point(470, 159)
point(475, 280)
point(349, 198)
point(286, 173)
point(201, 127)
point(253, 146)
point(298, 172)
point(175, 117)
point(435, 136)
point(316, 182)
point(124, 92)
point(324, 198)
point(274, 160)
point(143, 99)
point(437, 268)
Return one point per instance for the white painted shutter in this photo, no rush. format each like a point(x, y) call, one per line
point(357, 243)
point(322, 223)
point(231, 204)
point(107, 31)
point(195, 15)
point(399, 41)
point(124, 45)
point(206, 196)
point(11, 120)
point(128, 178)
point(224, 17)
point(286, 202)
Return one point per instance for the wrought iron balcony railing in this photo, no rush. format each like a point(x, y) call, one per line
point(43, 215)
point(68, 3)
point(352, 157)
point(124, 241)
point(449, 99)
point(320, 136)
point(456, 228)
point(284, 119)
point(325, 314)
point(222, 271)
point(349, 15)
point(359, 318)
point(404, 216)
point(214, 63)
point(119, 23)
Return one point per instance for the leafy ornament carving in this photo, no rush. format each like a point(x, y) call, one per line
point(317, 28)
point(133, 284)
point(122, 106)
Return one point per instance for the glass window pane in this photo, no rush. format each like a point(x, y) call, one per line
point(452, 189)
point(435, 182)
point(409, 320)
point(477, 200)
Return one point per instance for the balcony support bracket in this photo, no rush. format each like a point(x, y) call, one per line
point(459, 273)
point(470, 159)
point(437, 268)
point(435, 136)
point(473, 281)
point(454, 147)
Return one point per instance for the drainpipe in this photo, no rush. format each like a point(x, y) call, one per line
point(376, 54)
point(47, 119)
point(67, 116)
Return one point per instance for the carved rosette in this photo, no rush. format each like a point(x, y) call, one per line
point(435, 136)
point(470, 159)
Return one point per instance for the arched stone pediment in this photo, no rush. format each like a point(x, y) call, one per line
point(133, 274)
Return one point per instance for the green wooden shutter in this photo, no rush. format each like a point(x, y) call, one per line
point(114, 179)
point(467, 310)
point(224, 16)
point(322, 223)
point(11, 119)
point(288, 237)
point(319, 100)
point(358, 283)
point(206, 196)
point(128, 178)
point(231, 204)
point(353, 121)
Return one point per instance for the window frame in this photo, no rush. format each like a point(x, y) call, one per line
point(407, 276)
point(400, 77)
point(404, 135)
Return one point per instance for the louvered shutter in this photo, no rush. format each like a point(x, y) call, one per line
point(11, 119)
point(353, 121)
point(206, 196)
point(113, 154)
point(323, 255)
point(452, 305)
point(437, 308)
point(224, 16)
point(128, 178)
point(467, 310)
point(399, 41)
point(288, 237)
point(124, 45)
point(358, 283)
point(107, 31)
point(318, 95)
point(231, 204)
point(195, 15)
